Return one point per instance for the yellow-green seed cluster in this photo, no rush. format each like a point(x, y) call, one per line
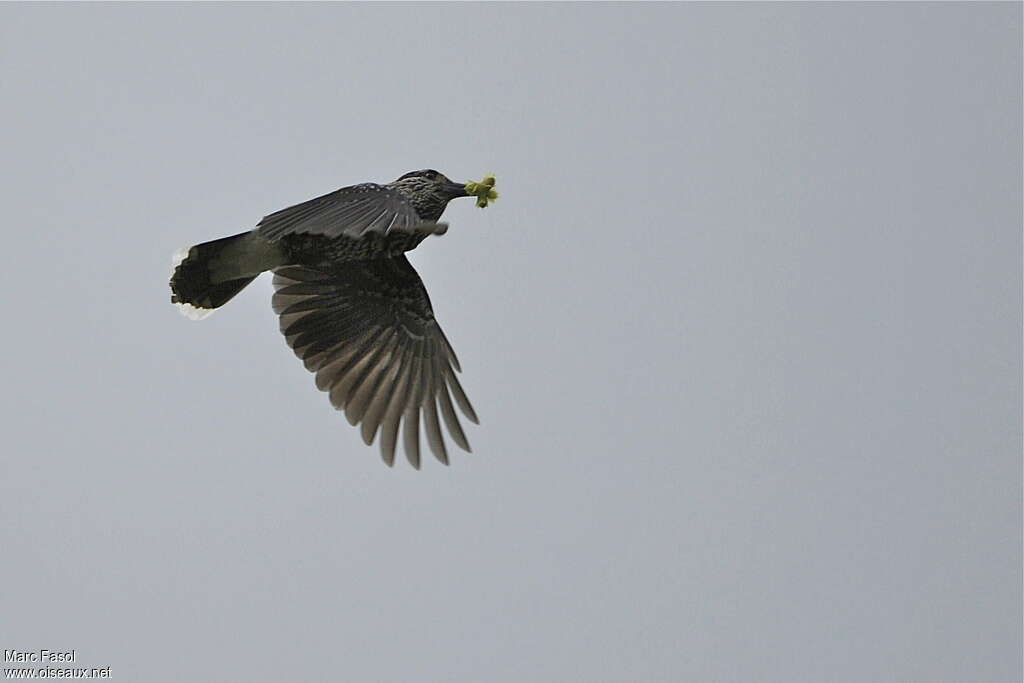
point(483, 191)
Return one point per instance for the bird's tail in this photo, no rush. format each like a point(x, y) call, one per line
point(208, 275)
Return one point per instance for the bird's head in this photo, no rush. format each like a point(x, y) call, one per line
point(429, 192)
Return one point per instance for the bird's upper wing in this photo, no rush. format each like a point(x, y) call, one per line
point(367, 330)
point(351, 211)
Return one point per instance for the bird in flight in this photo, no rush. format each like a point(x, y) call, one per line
point(350, 304)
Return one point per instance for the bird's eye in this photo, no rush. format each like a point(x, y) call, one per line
point(431, 175)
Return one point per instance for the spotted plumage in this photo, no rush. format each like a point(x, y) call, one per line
point(351, 305)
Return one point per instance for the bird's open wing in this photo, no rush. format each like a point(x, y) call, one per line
point(351, 211)
point(367, 330)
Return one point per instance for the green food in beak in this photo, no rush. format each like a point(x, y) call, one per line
point(483, 191)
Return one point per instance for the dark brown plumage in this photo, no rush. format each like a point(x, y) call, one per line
point(351, 305)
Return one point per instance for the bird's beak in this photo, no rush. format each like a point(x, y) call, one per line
point(456, 190)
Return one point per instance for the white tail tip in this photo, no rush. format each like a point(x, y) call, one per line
point(179, 256)
point(188, 310)
point(193, 312)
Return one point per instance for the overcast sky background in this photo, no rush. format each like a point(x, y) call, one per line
point(744, 333)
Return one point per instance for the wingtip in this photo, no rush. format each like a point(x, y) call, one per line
point(388, 456)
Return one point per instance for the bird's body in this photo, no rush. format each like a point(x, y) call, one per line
point(314, 250)
point(350, 304)
point(312, 246)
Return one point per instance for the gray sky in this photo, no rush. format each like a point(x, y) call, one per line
point(744, 332)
